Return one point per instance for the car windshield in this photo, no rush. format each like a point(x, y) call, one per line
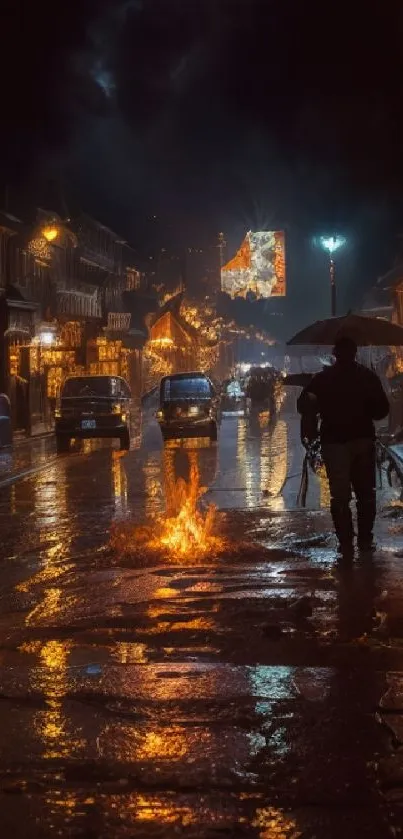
point(187, 388)
point(108, 386)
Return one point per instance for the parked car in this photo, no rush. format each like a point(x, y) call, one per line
point(189, 406)
point(6, 431)
point(93, 406)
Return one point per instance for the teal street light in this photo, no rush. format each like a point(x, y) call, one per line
point(332, 244)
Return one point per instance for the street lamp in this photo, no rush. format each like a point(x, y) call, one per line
point(47, 334)
point(50, 233)
point(47, 338)
point(332, 244)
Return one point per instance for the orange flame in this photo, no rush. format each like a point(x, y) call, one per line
point(190, 531)
point(186, 530)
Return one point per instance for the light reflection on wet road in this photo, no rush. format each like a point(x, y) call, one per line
point(223, 696)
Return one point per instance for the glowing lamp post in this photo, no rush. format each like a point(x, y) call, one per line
point(47, 335)
point(332, 244)
point(50, 233)
point(47, 338)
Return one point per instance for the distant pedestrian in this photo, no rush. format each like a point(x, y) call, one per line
point(348, 398)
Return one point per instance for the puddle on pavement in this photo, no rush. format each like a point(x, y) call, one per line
point(149, 813)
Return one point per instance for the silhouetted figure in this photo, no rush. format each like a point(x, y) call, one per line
point(260, 389)
point(348, 398)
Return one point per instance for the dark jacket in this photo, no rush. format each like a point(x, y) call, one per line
point(349, 397)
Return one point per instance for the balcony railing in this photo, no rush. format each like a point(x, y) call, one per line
point(78, 304)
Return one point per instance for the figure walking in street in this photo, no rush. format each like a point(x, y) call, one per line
point(348, 398)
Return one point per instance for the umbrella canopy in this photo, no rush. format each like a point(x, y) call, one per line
point(367, 332)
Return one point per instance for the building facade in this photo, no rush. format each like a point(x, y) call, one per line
point(61, 283)
point(385, 298)
point(172, 345)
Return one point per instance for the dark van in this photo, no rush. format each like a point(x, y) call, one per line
point(93, 406)
point(189, 406)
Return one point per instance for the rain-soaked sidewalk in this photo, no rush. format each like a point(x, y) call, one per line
point(253, 689)
point(26, 457)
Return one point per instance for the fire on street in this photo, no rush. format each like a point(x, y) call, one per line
point(180, 654)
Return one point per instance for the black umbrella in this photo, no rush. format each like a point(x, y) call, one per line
point(366, 331)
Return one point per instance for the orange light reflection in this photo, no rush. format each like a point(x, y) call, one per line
point(274, 824)
point(51, 679)
point(150, 808)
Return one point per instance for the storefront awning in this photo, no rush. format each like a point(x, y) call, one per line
point(17, 315)
point(22, 305)
point(18, 332)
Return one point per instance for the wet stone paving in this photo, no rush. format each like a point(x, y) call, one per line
point(251, 688)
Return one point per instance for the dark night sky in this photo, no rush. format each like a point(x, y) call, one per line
point(212, 114)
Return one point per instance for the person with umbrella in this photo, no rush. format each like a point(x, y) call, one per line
point(348, 398)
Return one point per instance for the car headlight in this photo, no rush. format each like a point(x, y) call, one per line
point(194, 409)
point(116, 408)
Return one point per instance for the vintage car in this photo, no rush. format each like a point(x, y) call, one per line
point(189, 406)
point(93, 406)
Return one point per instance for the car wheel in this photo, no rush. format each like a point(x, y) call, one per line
point(62, 444)
point(213, 432)
point(125, 441)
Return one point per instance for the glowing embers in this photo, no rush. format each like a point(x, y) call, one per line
point(186, 531)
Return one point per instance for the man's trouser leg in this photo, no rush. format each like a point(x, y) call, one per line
point(363, 479)
point(337, 462)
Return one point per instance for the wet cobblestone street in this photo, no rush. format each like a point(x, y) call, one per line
point(256, 693)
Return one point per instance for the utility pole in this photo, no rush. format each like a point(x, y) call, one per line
point(331, 244)
point(333, 286)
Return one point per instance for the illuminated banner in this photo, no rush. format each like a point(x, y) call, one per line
point(258, 266)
